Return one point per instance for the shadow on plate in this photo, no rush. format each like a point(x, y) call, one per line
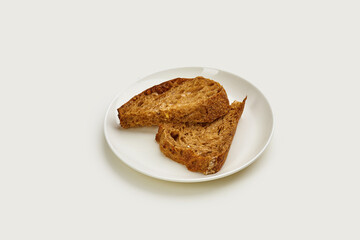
point(175, 189)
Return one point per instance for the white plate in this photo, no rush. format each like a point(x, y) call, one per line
point(138, 149)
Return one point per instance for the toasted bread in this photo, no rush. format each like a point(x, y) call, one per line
point(201, 147)
point(177, 101)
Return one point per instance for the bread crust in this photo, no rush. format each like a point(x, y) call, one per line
point(188, 157)
point(207, 111)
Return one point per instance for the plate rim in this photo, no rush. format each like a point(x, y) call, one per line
point(191, 180)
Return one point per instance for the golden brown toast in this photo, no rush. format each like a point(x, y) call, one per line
point(177, 101)
point(201, 147)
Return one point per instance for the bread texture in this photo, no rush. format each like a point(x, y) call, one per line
point(176, 101)
point(201, 147)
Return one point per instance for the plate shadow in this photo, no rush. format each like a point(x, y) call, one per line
point(176, 189)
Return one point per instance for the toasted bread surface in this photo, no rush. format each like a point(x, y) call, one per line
point(177, 101)
point(201, 147)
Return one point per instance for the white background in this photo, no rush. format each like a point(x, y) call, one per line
point(62, 62)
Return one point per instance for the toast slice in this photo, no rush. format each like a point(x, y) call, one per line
point(179, 100)
point(201, 147)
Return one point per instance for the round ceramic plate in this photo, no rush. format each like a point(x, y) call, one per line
point(137, 147)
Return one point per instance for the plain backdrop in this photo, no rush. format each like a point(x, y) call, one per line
point(62, 62)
